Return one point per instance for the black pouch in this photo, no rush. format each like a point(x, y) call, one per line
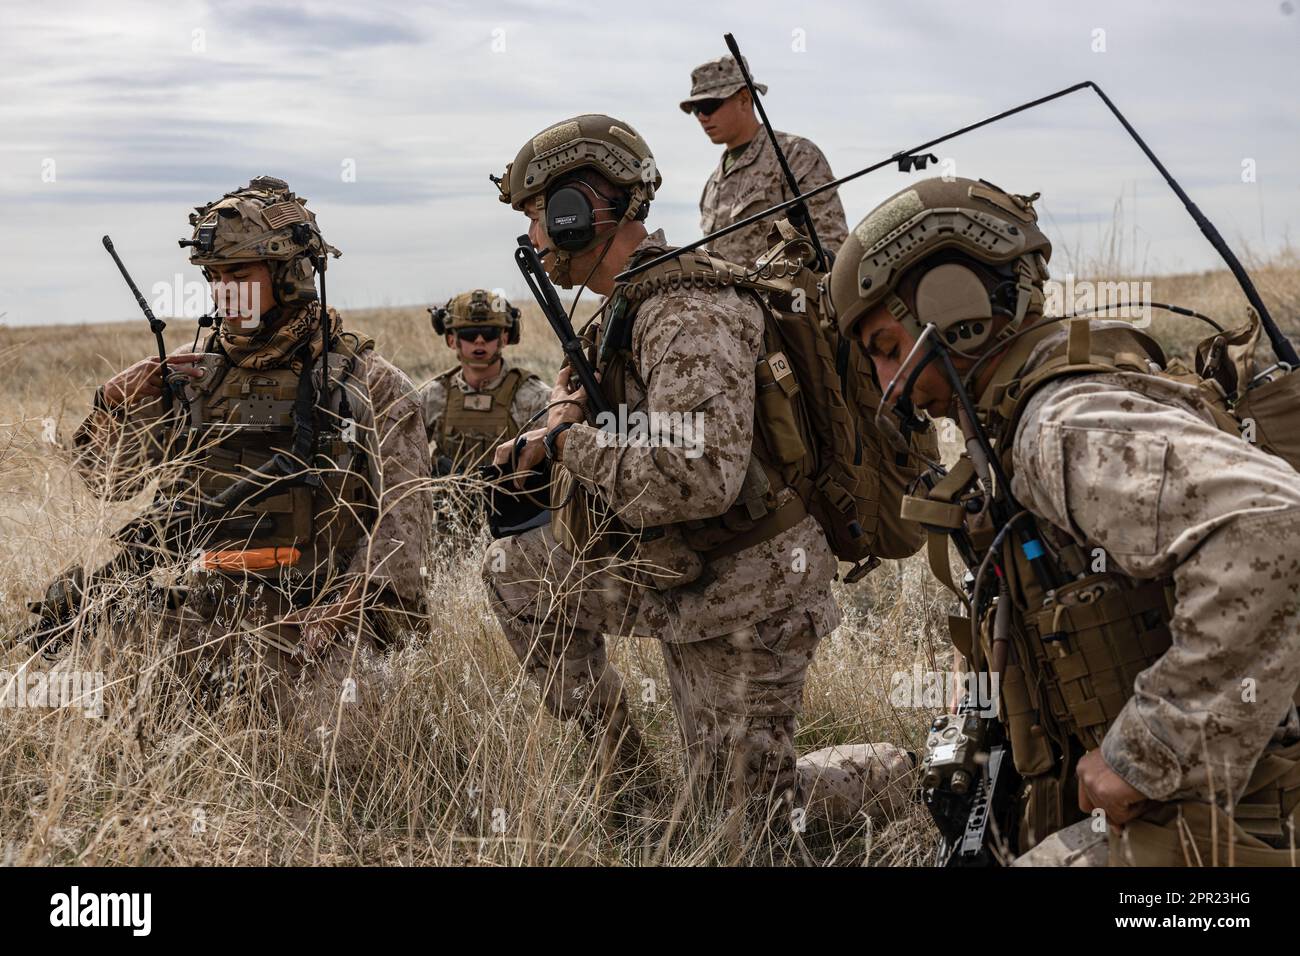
point(511, 510)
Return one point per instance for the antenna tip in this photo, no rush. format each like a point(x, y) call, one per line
point(108, 243)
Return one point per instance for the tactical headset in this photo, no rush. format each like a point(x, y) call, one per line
point(570, 216)
point(438, 316)
point(963, 297)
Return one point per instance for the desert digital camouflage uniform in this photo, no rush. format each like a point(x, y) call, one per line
point(753, 180)
point(367, 519)
point(1172, 638)
point(1137, 465)
point(738, 631)
point(465, 424)
point(530, 397)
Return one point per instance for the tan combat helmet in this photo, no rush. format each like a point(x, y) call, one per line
point(477, 309)
point(261, 222)
point(592, 141)
point(944, 224)
point(716, 80)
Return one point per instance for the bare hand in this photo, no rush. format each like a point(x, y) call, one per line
point(1104, 789)
point(144, 379)
point(568, 404)
point(529, 457)
point(319, 625)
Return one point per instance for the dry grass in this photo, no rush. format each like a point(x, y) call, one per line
point(443, 732)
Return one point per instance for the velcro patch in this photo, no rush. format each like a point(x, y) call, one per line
point(557, 135)
point(284, 213)
point(888, 218)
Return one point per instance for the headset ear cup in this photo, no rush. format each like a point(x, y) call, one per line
point(570, 219)
point(439, 319)
point(512, 334)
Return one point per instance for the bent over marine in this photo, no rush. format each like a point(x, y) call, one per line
point(1134, 559)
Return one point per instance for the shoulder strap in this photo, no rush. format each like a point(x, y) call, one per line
point(1085, 350)
point(510, 385)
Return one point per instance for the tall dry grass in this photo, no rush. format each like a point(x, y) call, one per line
point(446, 756)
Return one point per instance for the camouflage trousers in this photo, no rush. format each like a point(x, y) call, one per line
point(736, 697)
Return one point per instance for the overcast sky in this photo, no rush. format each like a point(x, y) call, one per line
point(118, 117)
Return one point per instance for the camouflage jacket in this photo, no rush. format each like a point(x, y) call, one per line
point(695, 350)
point(753, 182)
point(119, 454)
point(1134, 464)
point(532, 397)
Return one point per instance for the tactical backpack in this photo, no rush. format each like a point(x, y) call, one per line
point(814, 430)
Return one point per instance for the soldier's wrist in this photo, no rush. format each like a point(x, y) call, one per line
point(101, 403)
point(554, 440)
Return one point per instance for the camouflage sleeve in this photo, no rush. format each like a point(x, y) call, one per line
point(696, 354)
point(389, 557)
point(118, 453)
point(433, 402)
point(810, 170)
point(1124, 462)
point(533, 396)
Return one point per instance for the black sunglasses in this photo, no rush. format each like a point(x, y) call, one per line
point(706, 107)
point(490, 333)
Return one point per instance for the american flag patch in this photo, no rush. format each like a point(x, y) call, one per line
point(284, 213)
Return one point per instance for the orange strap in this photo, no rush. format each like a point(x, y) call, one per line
point(254, 559)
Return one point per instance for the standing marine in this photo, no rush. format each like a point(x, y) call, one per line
point(1134, 536)
point(748, 177)
point(292, 459)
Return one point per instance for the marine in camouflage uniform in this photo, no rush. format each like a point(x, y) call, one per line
point(465, 422)
point(740, 622)
point(1146, 625)
point(293, 576)
point(748, 178)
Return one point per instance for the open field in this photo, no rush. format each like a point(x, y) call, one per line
point(445, 740)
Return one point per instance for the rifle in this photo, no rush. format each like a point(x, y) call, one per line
point(512, 512)
point(968, 780)
point(539, 283)
point(968, 783)
point(916, 158)
point(800, 217)
point(142, 541)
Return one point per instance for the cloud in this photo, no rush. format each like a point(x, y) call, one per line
point(145, 111)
